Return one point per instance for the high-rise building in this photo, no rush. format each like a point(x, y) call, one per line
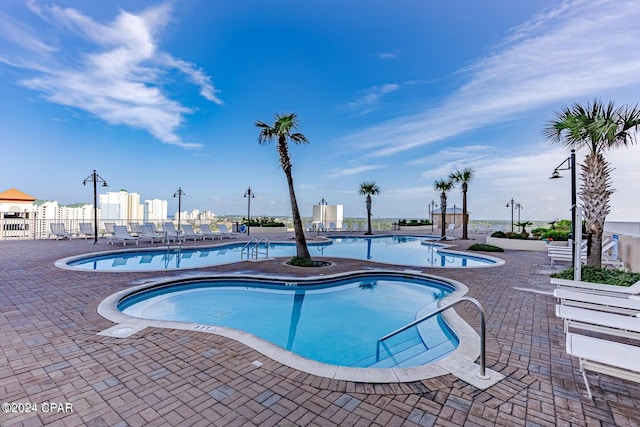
point(154, 211)
point(120, 207)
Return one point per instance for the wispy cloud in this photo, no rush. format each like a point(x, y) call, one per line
point(336, 173)
point(386, 56)
point(370, 98)
point(114, 71)
point(553, 57)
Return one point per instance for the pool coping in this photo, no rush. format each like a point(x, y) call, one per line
point(63, 263)
point(460, 362)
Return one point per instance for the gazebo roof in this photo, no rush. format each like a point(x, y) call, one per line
point(13, 195)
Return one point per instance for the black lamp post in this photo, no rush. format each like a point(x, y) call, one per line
point(432, 206)
point(519, 207)
point(570, 165)
point(249, 195)
point(179, 195)
point(513, 204)
point(95, 178)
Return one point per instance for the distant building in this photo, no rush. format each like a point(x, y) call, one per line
point(154, 211)
point(452, 216)
point(16, 210)
point(326, 214)
point(121, 207)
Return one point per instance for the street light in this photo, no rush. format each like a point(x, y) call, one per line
point(513, 204)
point(249, 195)
point(179, 195)
point(95, 178)
point(519, 207)
point(571, 165)
point(323, 205)
point(432, 206)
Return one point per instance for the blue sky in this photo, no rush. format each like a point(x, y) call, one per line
point(160, 95)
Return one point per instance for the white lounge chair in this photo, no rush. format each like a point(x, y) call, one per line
point(225, 232)
point(614, 304)
point(136, 228)
point(58, 230)
point(171, 232)
point(599, 321)
point(205, 229)
point(120, 232)
point(189, 233)
point(86, 230)
point(607, 357)
point(597, 288)
point(149, 232)
point(108, 228)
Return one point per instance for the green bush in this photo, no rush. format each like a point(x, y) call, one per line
point(557, 235)
point(263, 222)
point(307, 262)
point(601, 275)
point(485, 248)
point(499, 234)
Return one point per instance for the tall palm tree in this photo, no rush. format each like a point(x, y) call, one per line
point(282, 130)
point(444, 187)
point(463, 177)
point(369, 189)
point(596, 127)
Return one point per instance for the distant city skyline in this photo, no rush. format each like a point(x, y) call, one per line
point(161, 95)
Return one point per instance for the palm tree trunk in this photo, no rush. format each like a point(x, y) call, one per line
point(443, 214)
point(595, 192)
point(465, 234)
point(369, 214)
point(301, 243)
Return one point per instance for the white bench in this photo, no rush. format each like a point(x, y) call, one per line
point(599, 321)
point(607, 357)
point(614, 304)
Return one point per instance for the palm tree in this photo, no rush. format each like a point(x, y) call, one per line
point(464, 177)
point(596, 127)
point(282, 130)
point(369, 189)
point(444, 187)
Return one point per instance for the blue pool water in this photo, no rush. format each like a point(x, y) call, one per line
point(399, 250)
point(337, 323)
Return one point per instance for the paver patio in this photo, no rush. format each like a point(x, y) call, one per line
point(50, 354)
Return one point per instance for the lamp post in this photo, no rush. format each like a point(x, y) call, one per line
point(95, 178)
point(323, 205)
point(179, 195)
point(571, 165)
point(249, 195)
point(432, 206)
point(519, 207)
point(513, 204)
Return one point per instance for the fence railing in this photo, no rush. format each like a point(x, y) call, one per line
point(37, 228)
point(626, 228)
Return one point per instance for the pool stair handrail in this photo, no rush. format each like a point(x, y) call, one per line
point(252, 248)
point(482, 374)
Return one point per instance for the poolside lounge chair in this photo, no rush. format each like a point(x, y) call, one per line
point(189, 233)
point(58, 230)
point(136, 228)
point(171, 232)
point(205, 230)
point(120, 232)
point(225, 232)
point(149, 232)
point(86, 230)
point(108, 228)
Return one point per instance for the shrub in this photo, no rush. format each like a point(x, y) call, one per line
point(485, 248)
point(307, 262)
point(601, 275)
point(499, 234)
point(263, 222)
point(558, 235)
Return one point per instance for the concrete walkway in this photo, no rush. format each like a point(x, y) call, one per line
point(52, 360)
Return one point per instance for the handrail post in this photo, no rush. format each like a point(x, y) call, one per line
point(482, 374)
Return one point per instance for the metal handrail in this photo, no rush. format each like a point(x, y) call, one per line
point(253, 250)
point(482, 373)
point(247, 247)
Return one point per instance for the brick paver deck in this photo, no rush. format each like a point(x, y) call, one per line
point(50, 356)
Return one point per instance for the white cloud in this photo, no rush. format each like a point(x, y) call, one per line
point(336, 173)
point(371, 98)
point(119, 78)
point(577, 50)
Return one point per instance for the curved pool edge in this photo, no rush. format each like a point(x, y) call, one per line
point(460, 362)
point(63, 263)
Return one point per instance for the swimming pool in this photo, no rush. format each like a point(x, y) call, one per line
point(399, 250)
point(336, 322)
